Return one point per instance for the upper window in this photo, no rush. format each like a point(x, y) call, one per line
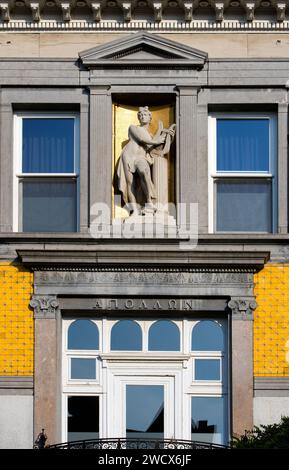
point(126, 335)
point(83, 334)
point(164, 335)
point(207, 335)
point(46, 173)
point(242, 160)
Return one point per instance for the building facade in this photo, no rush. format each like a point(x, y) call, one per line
point(173, 324)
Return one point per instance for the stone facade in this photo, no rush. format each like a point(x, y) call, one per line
point(201, 61)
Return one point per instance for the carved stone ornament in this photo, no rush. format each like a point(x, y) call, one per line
point(44, 306)
point(242, 309)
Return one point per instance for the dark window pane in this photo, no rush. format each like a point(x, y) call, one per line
point(83, 334)
point(48, 145)
point(164, 336)
point(145, 411)
point(207, 336)
point(126, 335)
point(207, 369)
point(208, 420)
point(83, 368)
point(244, 206)
point(49, 206)
point(243, 144)
point(83, 418)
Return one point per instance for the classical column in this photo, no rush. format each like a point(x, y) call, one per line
point(282, 175)
point(100, 157)
point(47, 367)
point(242, 363)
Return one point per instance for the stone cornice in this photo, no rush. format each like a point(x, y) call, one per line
point(142, 257)
point(156, 15)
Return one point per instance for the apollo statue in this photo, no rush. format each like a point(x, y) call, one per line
point(136, 160)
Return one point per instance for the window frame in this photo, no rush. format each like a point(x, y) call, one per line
point(19, 176)
point(214, 175)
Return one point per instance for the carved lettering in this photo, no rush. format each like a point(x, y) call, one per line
point(188, 305)
point(143, 305)
point(172, 304)
point(98, 304)
point(110, 305)
point(157, 306)
point(129, 304)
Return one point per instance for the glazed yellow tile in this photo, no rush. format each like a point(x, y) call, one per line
point(271, 327)
point(16, 326)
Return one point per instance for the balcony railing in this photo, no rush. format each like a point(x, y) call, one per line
point(124, 444)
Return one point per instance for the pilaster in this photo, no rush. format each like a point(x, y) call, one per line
point(46, 366)
point(100, 155)
point(242, 363)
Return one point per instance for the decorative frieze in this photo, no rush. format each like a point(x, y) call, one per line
point(44, 306)
point(242, 308)
point(91, 18)
point(145, 277)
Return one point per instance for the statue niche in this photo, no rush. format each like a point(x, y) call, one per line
point(134, 170)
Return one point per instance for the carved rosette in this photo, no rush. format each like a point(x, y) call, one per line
point(243, 308)
point(44, 306)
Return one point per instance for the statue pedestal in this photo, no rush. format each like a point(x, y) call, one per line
point(158, 225)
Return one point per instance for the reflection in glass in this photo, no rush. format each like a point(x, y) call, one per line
point(83, 368)
point(208, 420)
point(244, 206)
point(164, 335)
point(126, 335)
point(207, 369)
point(145, 411)
point(242, 144)
point(49, 206)
point(83, 418)
point(48, 145)
point(207, 336)
point(83, 334)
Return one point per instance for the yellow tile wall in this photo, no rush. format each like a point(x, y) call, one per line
point(271, 321)
point(16, 321)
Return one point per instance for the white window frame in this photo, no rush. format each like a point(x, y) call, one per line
point(213, 174)
point(115, 369)
point(18, 175)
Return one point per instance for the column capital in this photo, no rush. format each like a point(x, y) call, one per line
point(99, 89)
point(188, 90)
point(45, 306)
point(242, 307)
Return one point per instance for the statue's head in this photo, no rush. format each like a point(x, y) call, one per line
point(144, 115)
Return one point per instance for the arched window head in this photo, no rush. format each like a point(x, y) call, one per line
point(126, 335)
point(207, 335)
point(83, 334)
point(164, 335)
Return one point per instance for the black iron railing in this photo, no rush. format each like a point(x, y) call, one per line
point(124, 444)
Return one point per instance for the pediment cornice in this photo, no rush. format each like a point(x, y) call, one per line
point(143, 49)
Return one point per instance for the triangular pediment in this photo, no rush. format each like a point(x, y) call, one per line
point(143, 49)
